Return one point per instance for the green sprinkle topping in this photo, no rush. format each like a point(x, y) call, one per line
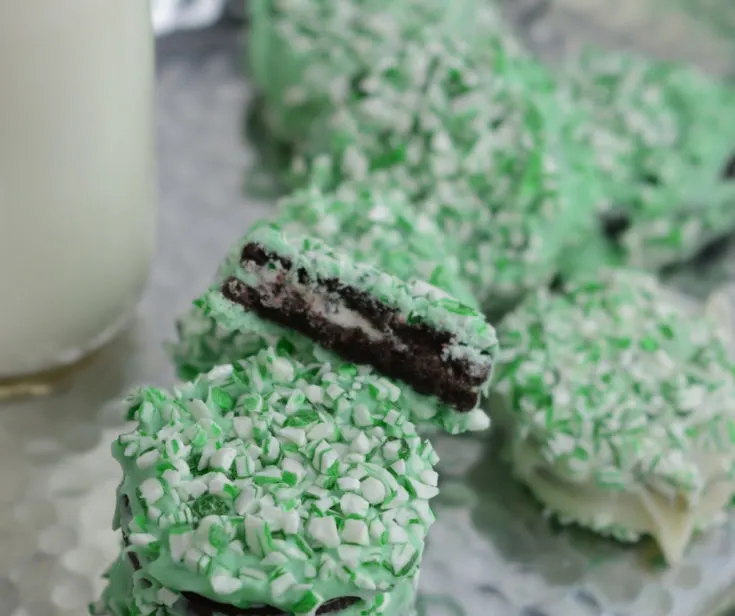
point(234, 498)
point(618, 382)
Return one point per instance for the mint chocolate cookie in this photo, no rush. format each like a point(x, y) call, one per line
point(408, 331)
point(619, 398)
point(271, 486)
point(303, 298)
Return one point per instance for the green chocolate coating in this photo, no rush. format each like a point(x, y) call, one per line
point(662, 135)
point(272, 482)
point(472, 335)
point(131, 593)
point(618, 383)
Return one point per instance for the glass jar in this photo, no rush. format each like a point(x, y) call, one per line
point(77, 185)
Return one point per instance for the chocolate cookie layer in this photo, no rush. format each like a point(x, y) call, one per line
point(357, 326)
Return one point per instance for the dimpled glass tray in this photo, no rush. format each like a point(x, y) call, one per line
point(491, 552)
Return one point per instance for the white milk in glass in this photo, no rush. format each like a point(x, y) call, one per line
point(77, 188)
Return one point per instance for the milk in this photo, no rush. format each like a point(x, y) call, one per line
point(77, 189)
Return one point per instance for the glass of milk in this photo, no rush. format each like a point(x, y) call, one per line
point(77, 189)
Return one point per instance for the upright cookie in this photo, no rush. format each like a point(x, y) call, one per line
point(664, 138)
point(411, 332)
point(377, 227)
point(619, 398)
point(270, 487)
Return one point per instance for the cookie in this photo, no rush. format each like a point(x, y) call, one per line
point(481, 143)
point(378, 227)
point(619, 398)
point(663, 137)
point(274, 483)
point(410, 332)
point(303, 54)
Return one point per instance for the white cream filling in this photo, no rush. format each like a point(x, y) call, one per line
point(671, 522)
point(332, 310)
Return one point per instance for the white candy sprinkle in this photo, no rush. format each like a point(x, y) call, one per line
point(391, 449)
point(353, 504)
point(141, 539)
point(401, 556)
point(430, 477)
point(199, 410)
point(292, 465)
point(334, 391)
point(151, 490)
point(355, 531)
point(179, 543)
point(255, 574)
point(373, 490)
point(282, 584)
point(282, 370)
point(478, 421)
point(360, 444)
point(243, 427)
point(223, 458)
point(350, 555)
point(314, 394)
point(225, 584)
point(148, 459)
point(195, 488)
point(217, 483)
point(324, 530)
point(348, 484)
point(362, 416)
point(274, 559)
point(294, 435)
point(172, 477)
point(396, 534)
point(291, 522)
point(244, 466)
point(321, 432)
point(220, 373)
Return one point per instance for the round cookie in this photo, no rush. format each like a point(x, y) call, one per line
point(304, 54)
point(438, 351)
point(482, 143)
point(664, 139)
point(274, 483)
point(619, 397)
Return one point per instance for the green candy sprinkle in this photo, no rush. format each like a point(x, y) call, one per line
point(222, 399)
